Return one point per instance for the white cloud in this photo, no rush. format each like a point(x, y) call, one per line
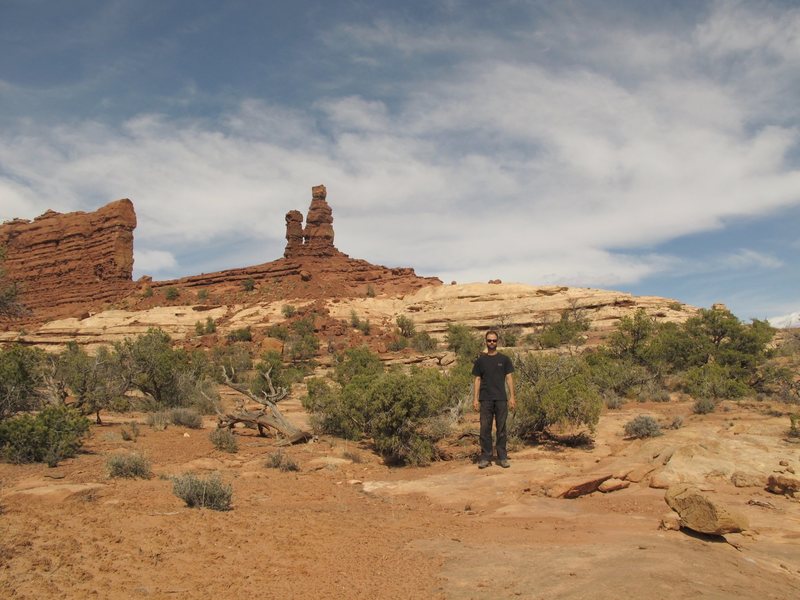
point(153, 261)
point(502, 166)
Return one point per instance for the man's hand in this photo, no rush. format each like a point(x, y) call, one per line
point(512, 403)
point(476, 406)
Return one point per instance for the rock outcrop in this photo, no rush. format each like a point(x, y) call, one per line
point(701, 513)
point(316, 239)
point(64, 262)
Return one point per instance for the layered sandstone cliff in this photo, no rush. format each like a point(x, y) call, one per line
point(64, 262)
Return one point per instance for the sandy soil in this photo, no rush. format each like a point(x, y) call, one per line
point(347, 526)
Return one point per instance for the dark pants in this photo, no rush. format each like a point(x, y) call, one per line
point(496, 410)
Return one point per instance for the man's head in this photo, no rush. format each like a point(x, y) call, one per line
point(491, 339)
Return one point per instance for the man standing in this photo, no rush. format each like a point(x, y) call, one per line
point(493, 372)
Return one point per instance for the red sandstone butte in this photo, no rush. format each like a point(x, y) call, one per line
point(63, 262)
point(69, 263)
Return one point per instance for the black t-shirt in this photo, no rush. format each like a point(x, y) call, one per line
point(492, 370)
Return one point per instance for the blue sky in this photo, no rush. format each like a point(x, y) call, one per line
point(612, 144)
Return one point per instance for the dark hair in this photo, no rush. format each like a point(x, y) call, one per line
point(490, 332)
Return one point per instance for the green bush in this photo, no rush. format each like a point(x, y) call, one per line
point(171, 293)
point(20, 379)
point(279, 332)
point(423, 342)
point(396, 344)
point(370, 291)
point(243, 334)
point(57, 432)
point(234, 361)
point(713, 381)
point(356, 362)
point(288, 310)
point(568, 329)
point(704, 406)
point(151, 364)
point(203, 493)
point(95, 381)
point(302, 344)
point(615, 376)
point(202, 295)
point(553, 390)
point(224, 440)
point(463, 341)
point(129, 466)
point(643, 426)
point(397, 410)
point(406, 326)
point(249, 284)
point(206, 328)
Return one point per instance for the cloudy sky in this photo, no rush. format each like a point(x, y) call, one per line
point(650, 147)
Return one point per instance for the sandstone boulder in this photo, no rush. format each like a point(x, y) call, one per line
point(700, 513)
point(743, 479)
point(612, 485)
point(780, 483)
point(574, 487)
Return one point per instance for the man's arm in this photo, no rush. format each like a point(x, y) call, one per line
point(476, 394)
point(512, 399)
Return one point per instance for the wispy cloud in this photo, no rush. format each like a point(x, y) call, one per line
point(555, 152)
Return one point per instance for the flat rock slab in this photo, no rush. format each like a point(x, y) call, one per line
point(701, 513)
point(53, 492)
point(613, 485)
point(574, 487)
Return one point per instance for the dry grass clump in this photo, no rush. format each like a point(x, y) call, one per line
point(203, 493)
point(223, 439)
point(643, 426)
point(130, 466)
point(130, 431)
point(279, 460)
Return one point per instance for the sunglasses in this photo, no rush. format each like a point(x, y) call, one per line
point(491, 341)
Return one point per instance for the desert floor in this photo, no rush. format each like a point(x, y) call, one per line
point(348, 526)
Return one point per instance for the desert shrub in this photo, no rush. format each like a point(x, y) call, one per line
point(567, 330)
point(704, 406)
point(279, 332)
point(185, 417)
point(158, 420)
point(203, 493)
point(288, 310)
point(365, 327)
point(370, 291)
point(147, 293)
point(357, 362)
point(406, 326)
point(613, 401)
point(281, 375)
point(205, 328)
point(676, 423)
point(794, 426)
point(131, 466)
point(280, 460)
point(355, 320)
point(202, 295)
point(130, 431)
point(243, 334)
point(463, 341)
point(20, 378)
point(614, 376)
point(652, 391)
point(643, 426)
point(95, 381)
point(675, 306)
point(631, 336)
point(249, 284)
point(150, 364)
point(55, 433)
point(397, 343)
point(171, 293)
point(397, 410)
point(553, 390)
point(423, 342)
point(232, 361)
point(713, 381)
point(224, 440)
point(302, 344)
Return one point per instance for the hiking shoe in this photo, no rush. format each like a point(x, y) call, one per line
point(503, 462)
point(483, 463)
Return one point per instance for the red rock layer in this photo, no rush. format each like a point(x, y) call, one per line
point(66, 262)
